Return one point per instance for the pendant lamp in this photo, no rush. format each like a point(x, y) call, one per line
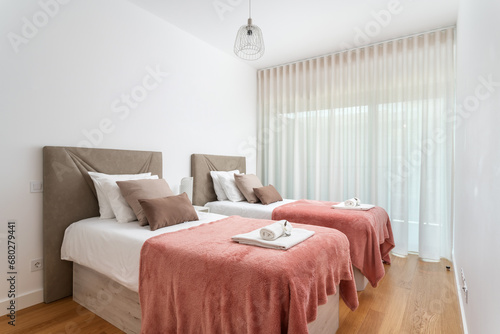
point(249, 44)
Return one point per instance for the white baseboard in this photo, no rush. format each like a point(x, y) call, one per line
point(23, 301)
point(460, 295)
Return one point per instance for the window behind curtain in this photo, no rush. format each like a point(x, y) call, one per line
point(373, 123)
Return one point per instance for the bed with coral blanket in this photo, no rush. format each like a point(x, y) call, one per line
point(240, 288)
point(369, 232)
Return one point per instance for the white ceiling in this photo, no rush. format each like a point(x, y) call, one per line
point(299, 29)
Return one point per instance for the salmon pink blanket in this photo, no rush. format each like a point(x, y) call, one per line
point(369, 232)
point(199, 281)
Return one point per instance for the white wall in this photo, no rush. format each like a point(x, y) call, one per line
point(477, 223)
point(63, 82)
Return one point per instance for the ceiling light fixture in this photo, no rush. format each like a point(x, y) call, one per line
point(249, 44)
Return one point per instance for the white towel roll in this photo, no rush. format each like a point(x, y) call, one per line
point(352, 202)
point(272, 232)
point(276, 230)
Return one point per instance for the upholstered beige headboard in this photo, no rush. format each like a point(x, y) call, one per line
point(69, 195)
point(201, 165)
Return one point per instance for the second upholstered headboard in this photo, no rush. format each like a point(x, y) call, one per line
point(69, 196)
point(201, 165)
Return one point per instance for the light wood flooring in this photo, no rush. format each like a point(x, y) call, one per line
point(413, 297)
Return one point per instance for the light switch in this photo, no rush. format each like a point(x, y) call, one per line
point(36, 186)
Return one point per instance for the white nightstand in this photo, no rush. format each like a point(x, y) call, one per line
point(202, 208)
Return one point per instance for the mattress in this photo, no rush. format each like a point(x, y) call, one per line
point(113, 249)
point(245, 209)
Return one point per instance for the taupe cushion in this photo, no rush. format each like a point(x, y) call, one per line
point(246, 183)
point(134, 190)
point(167, 211)
point(268, 194)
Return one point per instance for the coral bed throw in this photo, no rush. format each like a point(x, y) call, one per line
point(369, 232)
point(199, 281)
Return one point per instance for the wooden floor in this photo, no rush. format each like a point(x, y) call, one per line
point(413, 297)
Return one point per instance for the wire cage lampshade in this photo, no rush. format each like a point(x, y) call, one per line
point(249, 44)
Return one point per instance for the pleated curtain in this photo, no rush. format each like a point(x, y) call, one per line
point(373, 122)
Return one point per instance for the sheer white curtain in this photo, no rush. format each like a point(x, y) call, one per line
point(373, 122)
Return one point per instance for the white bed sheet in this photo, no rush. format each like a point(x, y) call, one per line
point(245, 209)
point(114, 249)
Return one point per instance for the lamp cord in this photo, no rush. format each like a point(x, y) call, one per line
point(250, 8)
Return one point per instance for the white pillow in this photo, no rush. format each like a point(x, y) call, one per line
point(230, 188)
point(121, 210)
point(219, 191)
point(105, 209)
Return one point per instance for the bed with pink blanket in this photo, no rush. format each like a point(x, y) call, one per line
point(198, 280)
point(369, 232)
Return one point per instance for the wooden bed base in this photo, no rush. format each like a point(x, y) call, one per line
point(120, 306)
point(108, 299)
point(360, 279)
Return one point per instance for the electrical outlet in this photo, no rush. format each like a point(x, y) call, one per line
point(36, 186)
point(36, 264)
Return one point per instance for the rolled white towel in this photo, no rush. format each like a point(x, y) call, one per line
point(271, 232)
point(276, 230)
point(352, 202)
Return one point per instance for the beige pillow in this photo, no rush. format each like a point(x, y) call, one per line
point(246, 183)
point(167, 211)
point(268, 194)
point(134, 190)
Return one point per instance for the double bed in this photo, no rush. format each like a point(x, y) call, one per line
point(106, 267)
point(369, 232)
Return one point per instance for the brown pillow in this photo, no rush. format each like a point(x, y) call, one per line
point(134, 190)
point(268, 194)
point(246, 183)
point(166, 211)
